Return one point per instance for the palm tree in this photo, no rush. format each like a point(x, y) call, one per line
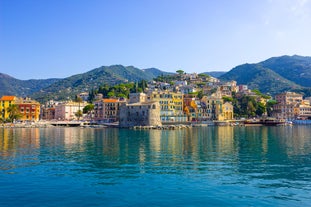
point(79, 112)
point(13, 112)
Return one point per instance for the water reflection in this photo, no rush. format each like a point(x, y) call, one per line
point(266, 162)
point(251, 151)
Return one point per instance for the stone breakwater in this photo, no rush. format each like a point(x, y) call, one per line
point(26, 125)
point(165, 127)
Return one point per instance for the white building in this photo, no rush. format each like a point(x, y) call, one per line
point(67, 110)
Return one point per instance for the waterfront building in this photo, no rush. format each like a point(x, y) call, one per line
point(28, 109)
point(304, 110)
point(171, 103)
point(140, 112)
point(68, 110)
point(192, 107)
point(287, 106)
point(5, 102)
point(107, 110)
point(227, 109)
point(289, 98)
point(48, 110)
point(212, 107)
point(48, 113)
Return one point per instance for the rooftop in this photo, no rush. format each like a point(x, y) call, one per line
point(8, 98)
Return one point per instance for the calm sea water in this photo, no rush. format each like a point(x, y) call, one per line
point(207, 166)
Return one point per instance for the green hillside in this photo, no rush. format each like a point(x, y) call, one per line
point(13, 86)
point(294, 68)
point(215, 74)
point(67, 88)
point(275, 75)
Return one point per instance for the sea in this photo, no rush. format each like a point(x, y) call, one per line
point(200, 166)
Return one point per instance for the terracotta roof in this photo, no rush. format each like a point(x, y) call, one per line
point(7, 98)
point(110, 100)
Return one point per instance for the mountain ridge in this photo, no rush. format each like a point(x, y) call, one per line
point(274, 75)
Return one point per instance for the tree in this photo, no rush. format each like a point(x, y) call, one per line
point(88, 108)
point(269, 106)
point(200, 94)
point(204, 76)
point(13, 112)
point(111, 94)
point(92, 95)
point(227, 99)
point(251, 109)
point(180, 72)
point(79, 114)
point(261, 109)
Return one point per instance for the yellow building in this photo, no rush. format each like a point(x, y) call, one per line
point(227, 109)
point(28, 109)
point(214, 108)
point(5, 102)
point(171, 103)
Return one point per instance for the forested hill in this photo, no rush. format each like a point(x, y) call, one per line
point(66, 88)
point(16, 87)
point(275, 75)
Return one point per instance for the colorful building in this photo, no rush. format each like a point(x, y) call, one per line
point(28, 109)
point(171, 103)
point(227, 109)
point(212, 107)
point(287, 106)
point(5, 102)
point(192, 107)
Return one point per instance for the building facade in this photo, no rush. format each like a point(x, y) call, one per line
point(140, 114)
point(5, 103)
point(67, 110)
point(28, 109)
point(170, 103)
point(107, 110)
point(287, 105)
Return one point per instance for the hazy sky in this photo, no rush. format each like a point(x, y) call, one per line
point(60, 38)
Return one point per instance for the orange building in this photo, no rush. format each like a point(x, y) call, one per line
point(29, 109)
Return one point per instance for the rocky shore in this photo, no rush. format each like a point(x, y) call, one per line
point(26, 125)
point(163, 127)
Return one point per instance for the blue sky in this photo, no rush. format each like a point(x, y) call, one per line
point(60, 38)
